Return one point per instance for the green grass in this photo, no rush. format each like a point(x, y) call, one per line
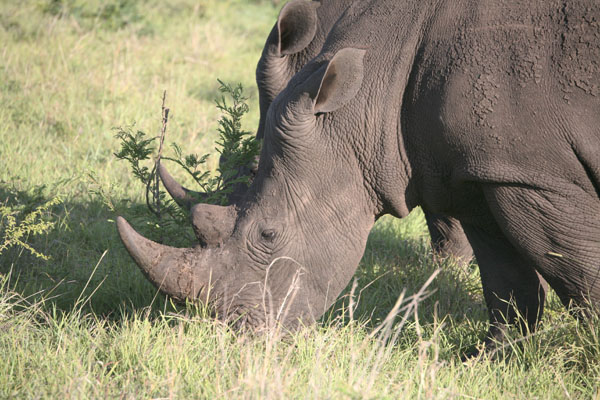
point(86, 323)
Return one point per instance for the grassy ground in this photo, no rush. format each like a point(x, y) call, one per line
point(86, 324)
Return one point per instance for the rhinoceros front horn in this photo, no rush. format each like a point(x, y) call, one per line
point(180, 273)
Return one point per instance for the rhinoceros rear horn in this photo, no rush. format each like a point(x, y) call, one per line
point(336, 83)
point(297, 25)
point(180, 273)
point(185, 198)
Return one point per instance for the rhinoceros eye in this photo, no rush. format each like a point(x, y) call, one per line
point(268, 234)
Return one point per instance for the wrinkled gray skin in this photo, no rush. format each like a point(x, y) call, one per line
point(296, 38)
point(487, 113)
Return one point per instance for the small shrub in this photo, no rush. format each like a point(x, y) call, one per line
point(16, 228)
point(236, 147)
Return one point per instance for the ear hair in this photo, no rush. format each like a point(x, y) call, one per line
point(297, 26)
point(336, 83)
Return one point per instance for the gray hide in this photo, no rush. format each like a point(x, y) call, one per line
point(487, 113)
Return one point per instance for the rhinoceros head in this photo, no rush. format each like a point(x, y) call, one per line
point(287, 249)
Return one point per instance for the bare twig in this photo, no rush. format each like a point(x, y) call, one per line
point(154, 178)
point(163, 131)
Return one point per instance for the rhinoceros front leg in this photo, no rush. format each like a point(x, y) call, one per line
point(558, 230)
point(513, 290)
point(448, 238)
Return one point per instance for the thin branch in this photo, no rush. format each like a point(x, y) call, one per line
point(155, 208)
point(163, 131)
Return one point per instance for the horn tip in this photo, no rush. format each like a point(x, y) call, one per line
point(143, 251)
point(162, 171)
point(178, 192)
point(165, 177)
point(122, 224)
point(125, 231)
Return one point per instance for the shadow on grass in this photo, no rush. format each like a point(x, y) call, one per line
point(86, 256)
point(398, 258)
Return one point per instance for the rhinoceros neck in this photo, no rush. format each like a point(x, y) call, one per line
point(391, 32)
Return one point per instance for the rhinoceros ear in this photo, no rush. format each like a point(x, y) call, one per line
point(297, 25)
point(338, 82)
